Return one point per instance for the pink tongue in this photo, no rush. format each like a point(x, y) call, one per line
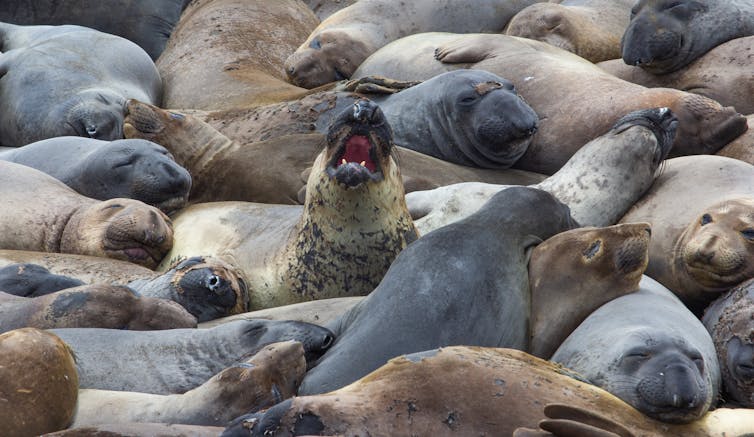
point(357, 150)
point(137, 253)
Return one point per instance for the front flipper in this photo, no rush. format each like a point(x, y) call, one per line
point(569, 421)
point(468, 49)
point(377, 85)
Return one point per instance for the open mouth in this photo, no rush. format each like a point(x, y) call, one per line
point(138, 255)
point(355, 162)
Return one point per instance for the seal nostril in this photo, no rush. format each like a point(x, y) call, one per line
point(327, 341)
point(213, 283)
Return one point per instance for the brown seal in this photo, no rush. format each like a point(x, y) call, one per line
point(92, 306)
point(702, 213)
point(501, 390)
point(213, 49)
point(576, 100)
point(575, 272)
point(140, 430)
point(38, 383)
point(742, 148)
point(50, 217)
point(591, 29)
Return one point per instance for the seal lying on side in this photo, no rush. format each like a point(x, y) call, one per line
point(729, 322)
point(213, 49)
point(575, 272)
point(466, 283)
point(341, 42)
point(576, 101)
point(177, 360)
point(148, 23)
point(81, 79)
point(39, 383)
point(267, 378)
point(599, 183)
point(702, 213)
point(320, 312)
point(92, 306)
point(649, 350)
point(33, 280)
point(722, 74)
point(591, 29)
point(41, 213)
point(352, 225)
point(501, 390)
point(664, 36)
point(134, 169)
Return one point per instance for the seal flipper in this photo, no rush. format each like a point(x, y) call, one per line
point(565, 420)
point(462, 50)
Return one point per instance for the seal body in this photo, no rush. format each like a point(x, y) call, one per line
point(174, 361)
point(33, 280)
point(135, 169)
point(576, 101)
point(148, 23)
point(649, 350)
point(741, 148)
point(340, 43)
point(39, 381)
point(51, 217)
point(268, 377)
point(591, 29)
point(82, 94)
point(452, 286)
point(663, 37)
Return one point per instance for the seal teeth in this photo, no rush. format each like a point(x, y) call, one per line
point(344, 161)
point(363, 163)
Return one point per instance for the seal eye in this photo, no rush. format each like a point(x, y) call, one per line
point(468, 99)
point(698, 362)
point(636, 354)
point(128, 161)
point(706, 219)
point(748, 234)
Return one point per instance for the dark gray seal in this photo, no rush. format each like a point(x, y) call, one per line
point(648, 349)
point(174, 361)
point(134, 169)
point(469, 117)
point(464, 284)
point(33, 280)
point(665, 36)
point(69, 80)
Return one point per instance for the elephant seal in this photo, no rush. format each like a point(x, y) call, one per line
point(728, 320)
point(134, 169)
point(352, 225)
point(576, 101)
point(581, 270)
point(500, 390)
point(177, 360)
point(140, 430)
point(466, 283)
point(600, 182)
point(92, 306)
point(340, 43)
point(38, 382)
point(649, 350)
point(700, 209)
point(33, 280)
point(591, 29)
point(722, 74)
point(324, 8)
point(267, 378)
point(53, 218)
point(665, 36)
point(82, 95)
point(147, 23)
point(235, 65)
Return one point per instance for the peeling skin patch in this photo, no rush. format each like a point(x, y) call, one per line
point(593, 249)
point(308, 424)
point(417, 357)
point(68, 303)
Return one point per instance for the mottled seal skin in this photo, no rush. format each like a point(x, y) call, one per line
point(353, 223)
point(575, 272)
point(576, 101)
point(722, 74)
point(728, 320)
point(147, 23)
point(466, 283)
point(649, 350)
point(50, 217)
point(340, 43)
point(82, 94)
point(235, 65)
point(267, 378)
point(501, 390)
point(664, 36)
point(33, 280)
point(700, 208)
point(177, 360)
point(92, 306)
point(472, 118)
point(134, 169)
point(140, 430)
point(599, 183)
point(38, 381)
point(591, 29)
